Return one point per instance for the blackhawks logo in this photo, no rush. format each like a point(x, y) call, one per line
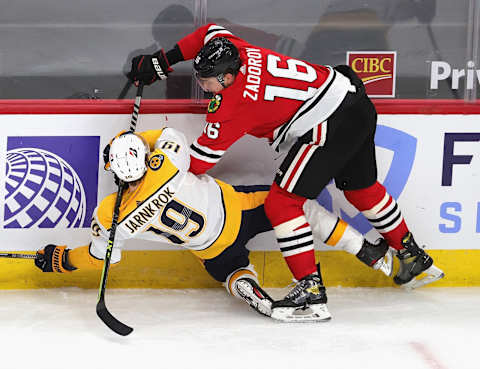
point(155, 162)
point(214, 103)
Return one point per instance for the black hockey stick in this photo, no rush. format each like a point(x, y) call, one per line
point(136, 107)
point(125, 90)
point(17, 256)
point(102, 311)
point(438, 55)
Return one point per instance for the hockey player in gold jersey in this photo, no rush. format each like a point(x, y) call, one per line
point(164, 202)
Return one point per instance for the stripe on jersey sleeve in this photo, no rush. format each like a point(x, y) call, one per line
point(205, 153)
point(213, 31)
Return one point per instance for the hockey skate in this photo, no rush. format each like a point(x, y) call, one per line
point(306, 302)
point(414, 261)
point(257, 298)
point(378, 256)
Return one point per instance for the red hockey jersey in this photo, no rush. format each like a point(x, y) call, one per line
point(273, 96)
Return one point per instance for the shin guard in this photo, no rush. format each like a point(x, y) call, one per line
point(382, 212)
point(293, 232)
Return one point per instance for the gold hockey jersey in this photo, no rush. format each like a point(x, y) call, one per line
point(173, 205)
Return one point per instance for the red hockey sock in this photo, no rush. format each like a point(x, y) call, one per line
point(382, 212)
point(294, 235)
point(301, 264)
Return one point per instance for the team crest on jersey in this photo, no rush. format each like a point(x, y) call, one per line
point(155, 162)
point(214, 103)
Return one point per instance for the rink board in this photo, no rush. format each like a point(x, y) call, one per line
point(428, 162)
point(180, 269)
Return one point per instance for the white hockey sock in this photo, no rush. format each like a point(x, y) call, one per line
point(247, 271)
point(332, 230)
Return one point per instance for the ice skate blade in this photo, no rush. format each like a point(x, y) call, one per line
point(432, 274)
point(385, 264)
point(313, 313)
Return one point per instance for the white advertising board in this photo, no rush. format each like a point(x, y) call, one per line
point(54, 176)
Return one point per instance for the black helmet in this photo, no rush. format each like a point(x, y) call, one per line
point(217, 57)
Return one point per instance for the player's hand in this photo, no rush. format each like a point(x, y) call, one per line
point(149, 68)
point(53, 258)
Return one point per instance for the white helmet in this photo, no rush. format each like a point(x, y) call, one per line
point(128, 154)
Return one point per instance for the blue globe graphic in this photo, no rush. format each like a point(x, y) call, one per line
point(42, 190)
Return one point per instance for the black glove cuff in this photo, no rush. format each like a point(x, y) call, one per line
point(160, 64)
point(65, 262)
point(174, 55)
point(60, 266)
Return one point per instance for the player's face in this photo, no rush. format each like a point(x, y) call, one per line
point(209, 84)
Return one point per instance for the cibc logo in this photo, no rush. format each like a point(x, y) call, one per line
point(50, 181)
point(377, 70)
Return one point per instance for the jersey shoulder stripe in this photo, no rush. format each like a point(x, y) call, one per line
point(215, 30)
point(151, 136)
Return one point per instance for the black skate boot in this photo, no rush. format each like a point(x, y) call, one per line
point(413, 262)
point(378, 256)
point(306, 302)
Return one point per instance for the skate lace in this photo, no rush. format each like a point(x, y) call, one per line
point(411, 251)
point(297, 290)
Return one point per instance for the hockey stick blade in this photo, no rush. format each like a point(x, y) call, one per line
point(110, 321)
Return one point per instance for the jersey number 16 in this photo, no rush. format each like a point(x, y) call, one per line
point(291, 72)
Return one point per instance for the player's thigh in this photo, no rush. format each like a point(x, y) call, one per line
point(308, 168)
point(232, 258)
point(361, 171)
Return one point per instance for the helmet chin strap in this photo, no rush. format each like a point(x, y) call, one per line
point(221, 79)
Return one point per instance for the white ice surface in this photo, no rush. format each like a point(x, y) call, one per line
point(436, 328)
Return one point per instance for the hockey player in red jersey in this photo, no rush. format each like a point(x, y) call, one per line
point(319, 116)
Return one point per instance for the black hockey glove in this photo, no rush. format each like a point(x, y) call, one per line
point(149, 68)
point(53, 259)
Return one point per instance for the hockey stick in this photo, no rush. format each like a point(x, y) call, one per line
point(136, 107)
point(125, 90)
point(438, 55)
point(102, 311)
point(17, 256)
